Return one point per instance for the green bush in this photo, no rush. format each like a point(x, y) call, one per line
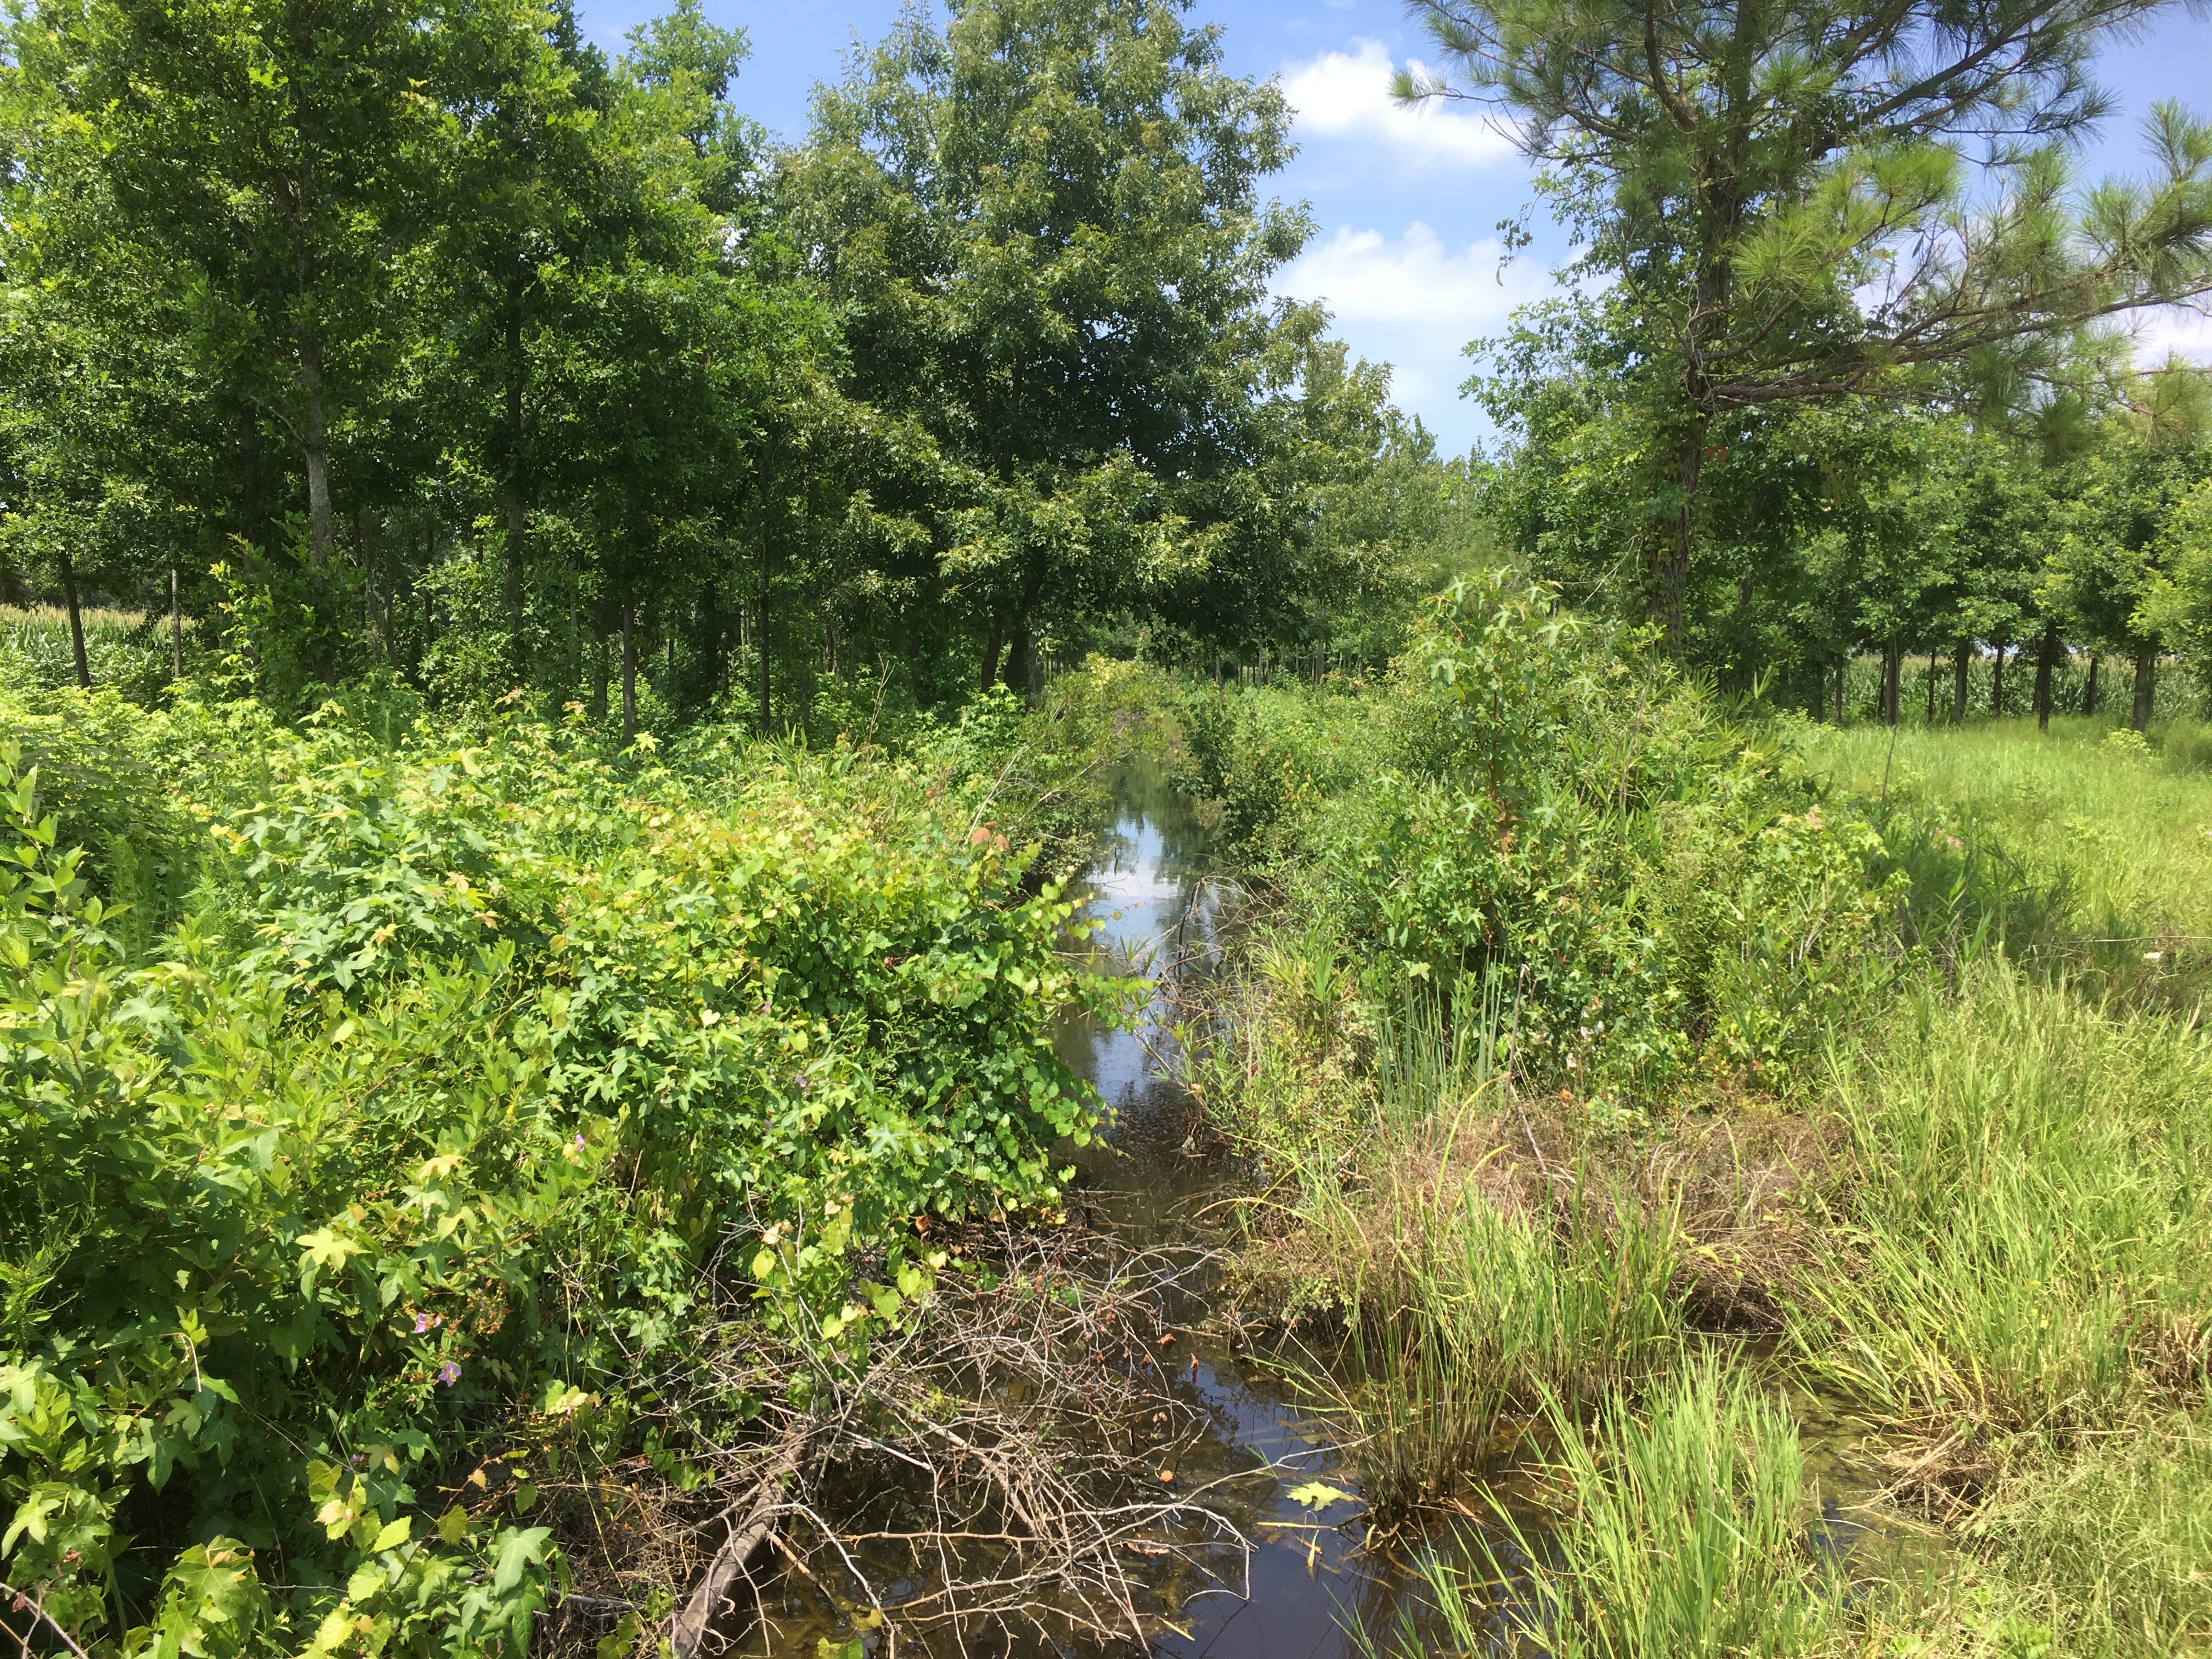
point(410, 1136)
point(1537, 800)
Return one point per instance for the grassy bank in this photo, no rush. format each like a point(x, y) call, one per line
point(1621, 1084)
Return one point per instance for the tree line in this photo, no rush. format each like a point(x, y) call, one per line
point(1840, 365)
point(434, 341)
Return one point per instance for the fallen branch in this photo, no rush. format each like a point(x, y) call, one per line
point(688, 1628)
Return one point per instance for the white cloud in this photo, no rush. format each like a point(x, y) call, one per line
point(1348, 95)
point(2184, 329)
point(1413, 302)
point(1412, 281)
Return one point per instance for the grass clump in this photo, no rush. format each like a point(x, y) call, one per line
point(2026, 1249)
point(1676, 1528)
point(1471, 1302)
point(2109, 1544)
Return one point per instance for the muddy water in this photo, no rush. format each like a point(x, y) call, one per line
point(1159, 911)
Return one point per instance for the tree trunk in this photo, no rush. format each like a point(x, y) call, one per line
point(2146, 684)
point(1931, 689)
point(1671, 582)
point(316, 446)
point(760, 529)
point(1021, 661)
point(1840, 668)
point(76, 621)
point(1996, 682)
point(2090, 691)
point(991, 654)
point(514, 501)
point(710, 638)
point(1960, 661)
point(628, 673)
point(176, 627)
point(2046, 658)
point(1892, 678)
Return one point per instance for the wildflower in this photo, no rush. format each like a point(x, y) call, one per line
point(421, 1323)
point(449, 1373)
point(1813, 818)
point(2153, 955)
point(802, 1082)
point(580, 1141)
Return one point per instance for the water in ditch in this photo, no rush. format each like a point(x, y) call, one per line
point(1310, 1584)
point(1159, 909)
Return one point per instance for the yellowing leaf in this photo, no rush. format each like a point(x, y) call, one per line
point(325, 1249)
point(1317, 1495)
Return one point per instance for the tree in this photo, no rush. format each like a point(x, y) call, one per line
point(1745, 173)
point(1042, 227)
point(2125, 556)
point(524, 195)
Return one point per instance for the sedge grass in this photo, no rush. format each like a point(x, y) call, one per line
point(1677, 1532)
point(2029, 1245)
point(1470, 1311)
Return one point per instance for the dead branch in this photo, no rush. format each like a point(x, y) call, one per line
point(688, 1627)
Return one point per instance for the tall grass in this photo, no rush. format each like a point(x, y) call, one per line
point(1677, 1531)
point(1471, 1311)
point(2112, 1547)
point(2030, 1244)
point(2124, 831)
point(124, 651)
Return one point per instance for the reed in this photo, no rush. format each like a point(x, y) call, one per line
point(1676, 1531)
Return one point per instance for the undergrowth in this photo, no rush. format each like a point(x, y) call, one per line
point(1614, 1056)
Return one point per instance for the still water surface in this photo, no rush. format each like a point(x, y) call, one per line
point(1159, 910)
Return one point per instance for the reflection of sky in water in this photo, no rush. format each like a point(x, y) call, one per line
point(1154, 906)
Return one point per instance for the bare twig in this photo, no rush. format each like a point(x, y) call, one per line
point(25, 1598)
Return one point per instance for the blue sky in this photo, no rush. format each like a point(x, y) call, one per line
point(1405, 205)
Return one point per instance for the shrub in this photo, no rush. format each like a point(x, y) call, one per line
point(1538, 801)
point(411, 1139)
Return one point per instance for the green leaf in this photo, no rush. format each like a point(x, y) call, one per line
point(1318, 1495)
point(520, 1550)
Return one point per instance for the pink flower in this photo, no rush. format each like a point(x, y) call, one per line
point(449, 1373)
